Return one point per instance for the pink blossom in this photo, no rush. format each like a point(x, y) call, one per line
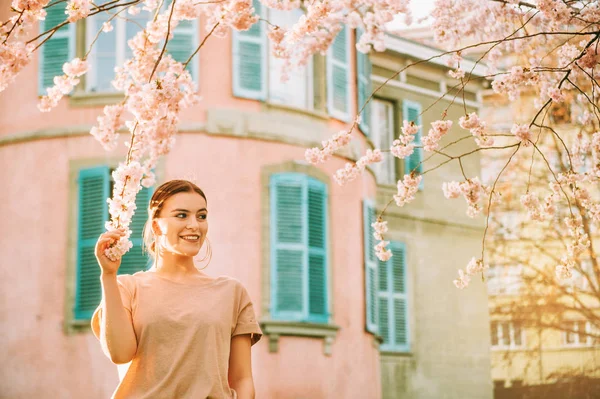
point(407, 188)
point(409, 128)
point(14, 56)
point(533, 206)
point(401, 150)
point(523, 133)
point(475, 266)
point(107, 27)
point(76, 67)
point(77, 9)
point(437, 131)
point(316, 155)
point(381, 253)
point(451, 189)
point(462, 281)
point(556, 95)
point(380, 229)
point(351, 172)
point(471, 189)
point(477, 128)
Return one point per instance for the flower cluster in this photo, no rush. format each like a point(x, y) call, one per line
point(77, 9)
point(403, 146)
point(523, 133)
point(579, 243)
point(475, 266)
point(471, 189)
point(431, 142)
point(15, 53)
point(106, 131)
point(316, 155)
point(477, 127)
point(513, 83)
point(407, 188)
point(381, 228)
point(350, 171)
point(63, 84)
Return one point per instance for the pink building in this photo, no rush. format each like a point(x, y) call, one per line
point(337, 322)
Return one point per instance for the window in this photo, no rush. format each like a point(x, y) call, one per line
point(383, 132)
point(579, 333)
point(504, 279)
point(257, 73)
point(111, 48)
point(60, 48)
point(338, 76)
point(95, 186)
point(508, 227)
point(392, 300)
point(411, 111)
point(363, 85)
point(582, 278)
point(507, 335)
point(372, 310)
point(297, 91)
point(299, 288)
point(386, 289)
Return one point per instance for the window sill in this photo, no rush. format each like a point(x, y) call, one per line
point(317, 114)
point(521, 348)
point(85, 99)
point(275, 329)
point(395, 355)
point(77, 326)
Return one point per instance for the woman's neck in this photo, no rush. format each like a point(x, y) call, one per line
point(175, 265)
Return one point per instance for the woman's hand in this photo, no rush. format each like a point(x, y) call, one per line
point(104, 241)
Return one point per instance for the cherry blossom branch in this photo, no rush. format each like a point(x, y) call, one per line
point(201, 44)
point(166, 41)
point(490, 203)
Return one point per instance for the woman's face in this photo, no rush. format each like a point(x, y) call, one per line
point(181, 225)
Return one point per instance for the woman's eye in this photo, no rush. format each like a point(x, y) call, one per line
point(180, 214)
point(202, 216)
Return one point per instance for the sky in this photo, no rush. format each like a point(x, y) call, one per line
point(420, 8)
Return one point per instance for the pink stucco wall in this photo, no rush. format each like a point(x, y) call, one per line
point(41, 361)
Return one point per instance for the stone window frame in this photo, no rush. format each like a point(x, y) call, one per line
point(70, 325)
point(274, 329)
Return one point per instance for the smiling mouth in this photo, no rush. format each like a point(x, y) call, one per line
point(191, 238)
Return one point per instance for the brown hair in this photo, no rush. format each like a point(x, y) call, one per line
point(162, 193)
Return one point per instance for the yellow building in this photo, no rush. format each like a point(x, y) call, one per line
point(543, 333)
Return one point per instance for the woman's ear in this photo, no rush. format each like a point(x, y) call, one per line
point(156, 228)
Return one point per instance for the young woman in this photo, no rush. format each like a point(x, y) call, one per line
point(174, 331)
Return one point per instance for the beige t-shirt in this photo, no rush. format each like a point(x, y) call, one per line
point(183, 333)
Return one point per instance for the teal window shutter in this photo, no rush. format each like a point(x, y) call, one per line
point(298, 248)
point(94, 190)
point(60, 48)
point(317, 251)
point(371, 274)
point(338, 76)
point(94, 187)
point(393, 300)
point(364, 87)
point(249, 60)
point(135, 260)
point(183, 44)
point(411, 111)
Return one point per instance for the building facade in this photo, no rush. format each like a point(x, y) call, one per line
point(556, 342)
point(337, 322)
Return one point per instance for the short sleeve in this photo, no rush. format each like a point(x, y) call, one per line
point(126, 298)
point(246, 319)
